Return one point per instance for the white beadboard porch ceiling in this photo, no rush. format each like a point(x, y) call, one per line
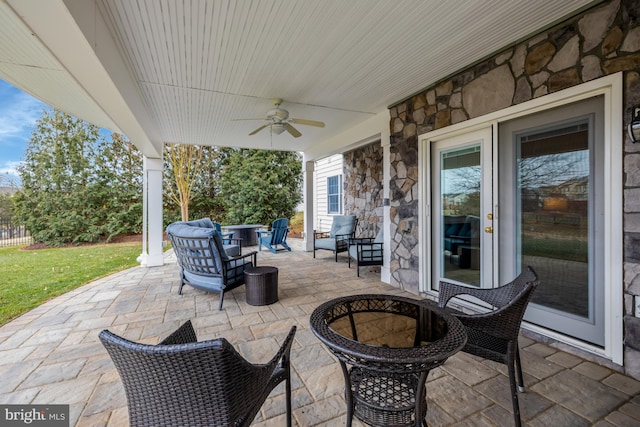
point(185, 69)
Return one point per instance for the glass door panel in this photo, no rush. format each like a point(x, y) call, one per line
point(551, 214)
point(553, 192)
point(460, 182)
point(461, 200)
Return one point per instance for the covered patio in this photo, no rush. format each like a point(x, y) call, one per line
point(52, 355)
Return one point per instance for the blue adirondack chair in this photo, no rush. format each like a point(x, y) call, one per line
point(276, 236)
point(226, 237)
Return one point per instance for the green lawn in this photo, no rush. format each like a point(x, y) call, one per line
point(31, 277)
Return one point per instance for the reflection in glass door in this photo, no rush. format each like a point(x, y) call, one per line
point(553, 193)
point(552, 215)
point(461, 195)
point(460, 214)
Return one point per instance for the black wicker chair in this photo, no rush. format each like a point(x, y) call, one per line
point(494, 335)
point(182, 382)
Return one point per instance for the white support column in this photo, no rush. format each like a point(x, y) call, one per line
point(385, 141)
point(152, 254)
point(308, 169)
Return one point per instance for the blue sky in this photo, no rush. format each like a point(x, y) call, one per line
point(19, 112)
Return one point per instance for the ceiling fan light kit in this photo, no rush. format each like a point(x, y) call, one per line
point(278, 128)
point(278, 121)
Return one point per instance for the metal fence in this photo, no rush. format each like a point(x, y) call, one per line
point(12, 234)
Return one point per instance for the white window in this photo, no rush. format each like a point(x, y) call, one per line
point(334, 194)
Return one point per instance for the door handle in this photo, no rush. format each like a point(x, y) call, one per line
point(488, 229)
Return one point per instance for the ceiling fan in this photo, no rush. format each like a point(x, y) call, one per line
point(278, 121)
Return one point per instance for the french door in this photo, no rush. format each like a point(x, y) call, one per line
point(461, 213)
point(534, 196)
point(552, 209)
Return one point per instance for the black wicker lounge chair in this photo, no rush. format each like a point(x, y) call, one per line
point(182, 382)
point(494, 335)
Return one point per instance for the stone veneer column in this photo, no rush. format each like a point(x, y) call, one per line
point(363, 186)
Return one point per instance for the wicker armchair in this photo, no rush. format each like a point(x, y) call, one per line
point(182, 382)
point(494, 335)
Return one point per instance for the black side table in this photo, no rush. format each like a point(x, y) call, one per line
point(262, 285)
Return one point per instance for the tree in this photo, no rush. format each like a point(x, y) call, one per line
point(56, 176)
point(207, 200)
point(182, 165)
point(73, 183)
point(259, 186)
point(119, 182)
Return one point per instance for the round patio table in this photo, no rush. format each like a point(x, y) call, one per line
point(386, 346)
point(246, 232)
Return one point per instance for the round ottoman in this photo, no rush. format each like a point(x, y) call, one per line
point(262, 285)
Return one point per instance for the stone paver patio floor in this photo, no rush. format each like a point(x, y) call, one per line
point(52, 355)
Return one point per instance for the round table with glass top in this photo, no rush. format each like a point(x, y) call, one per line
point(386, 346)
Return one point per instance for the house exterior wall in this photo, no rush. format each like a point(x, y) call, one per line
point(324, 168)
point(363, 178)
point(600, 41)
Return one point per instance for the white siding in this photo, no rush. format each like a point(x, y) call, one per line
point(329, 166)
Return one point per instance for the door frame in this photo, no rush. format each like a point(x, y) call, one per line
point(611, 88)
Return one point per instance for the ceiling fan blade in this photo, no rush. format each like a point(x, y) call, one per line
point(293, 131)
point(258, 130)
point(307, 122)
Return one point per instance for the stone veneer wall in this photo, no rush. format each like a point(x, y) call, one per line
point(363, 183)
point(601, 41)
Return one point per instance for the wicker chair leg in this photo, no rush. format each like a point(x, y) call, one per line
point(288, 394)
point(180, 287)
point(513, 388)
point(336, 252)
point(519, 371)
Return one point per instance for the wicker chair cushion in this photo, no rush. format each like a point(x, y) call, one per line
point(202, 222)
point(195, 228)
point(342, 224)
point(325, 243)
point(216, 283)
point(367, 252)
point(379, 237)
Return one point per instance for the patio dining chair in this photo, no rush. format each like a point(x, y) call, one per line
point(366, 251)
point(275, 237)
point(182, 382)
point(494, 335)
point(336, 240)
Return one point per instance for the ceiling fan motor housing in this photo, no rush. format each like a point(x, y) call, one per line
point(277, 114)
